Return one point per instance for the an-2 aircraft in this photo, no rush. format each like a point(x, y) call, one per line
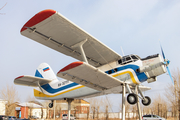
point(100, 70)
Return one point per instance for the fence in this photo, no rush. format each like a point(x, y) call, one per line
point(114, 115)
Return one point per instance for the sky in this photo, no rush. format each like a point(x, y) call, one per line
point(135, 25)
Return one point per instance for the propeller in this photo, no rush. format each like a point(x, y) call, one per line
point(166, 62)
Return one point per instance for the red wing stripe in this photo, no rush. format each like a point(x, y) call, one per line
point(38, 18)
point(19, 77)
point(70, 66)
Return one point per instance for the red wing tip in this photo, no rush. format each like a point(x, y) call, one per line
point(70, 66)
point(19, 77)
point(38, 18)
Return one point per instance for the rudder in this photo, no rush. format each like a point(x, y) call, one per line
point(45, 71)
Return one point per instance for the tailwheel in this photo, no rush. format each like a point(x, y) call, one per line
point(51, 104)
point(146, 101)
point(132, 98)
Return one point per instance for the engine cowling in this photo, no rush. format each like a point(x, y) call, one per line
point(153, 66)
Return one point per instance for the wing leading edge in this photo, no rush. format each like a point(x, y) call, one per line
point(53, 30)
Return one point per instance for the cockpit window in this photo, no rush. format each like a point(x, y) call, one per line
point(134, 57)
point(128, 59)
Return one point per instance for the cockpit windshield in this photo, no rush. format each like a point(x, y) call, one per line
point(128, 59)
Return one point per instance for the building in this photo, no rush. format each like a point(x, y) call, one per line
point(35, 109)
point(27, 110)
point(3, 107)
point(78, 106)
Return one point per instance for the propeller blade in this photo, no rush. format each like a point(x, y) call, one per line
point(162, 53)
point(170, 75)
point(166, 62)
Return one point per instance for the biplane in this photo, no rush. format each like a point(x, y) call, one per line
point(99, 71)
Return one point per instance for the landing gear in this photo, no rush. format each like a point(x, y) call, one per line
point(132, 98)
point(146, 101)
point(51, 104)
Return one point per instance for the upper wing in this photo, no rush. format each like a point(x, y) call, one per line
point(30, 81)
point(89, 76)
point(50, 28)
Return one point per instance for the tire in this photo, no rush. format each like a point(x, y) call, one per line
point(50, 105)
point(132, 98)
point(147, 102)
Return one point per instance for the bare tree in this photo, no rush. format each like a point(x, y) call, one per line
point(172, 92)
point(94, 104)
point(30, 98)
point(58, 110)
point(10, 94)
point(128, 108)
point(99, 105)
point(46, 105)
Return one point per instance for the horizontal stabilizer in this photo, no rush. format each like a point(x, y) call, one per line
point(30, 81)
point(85, 74)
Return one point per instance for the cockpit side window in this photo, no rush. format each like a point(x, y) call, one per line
point(134, 58)
point(128, 59)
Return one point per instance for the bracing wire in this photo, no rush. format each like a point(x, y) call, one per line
point(110, 105)
point(103, 59)
point(101, 56)
point(1, 9)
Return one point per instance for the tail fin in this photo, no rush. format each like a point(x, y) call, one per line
point(45, 71)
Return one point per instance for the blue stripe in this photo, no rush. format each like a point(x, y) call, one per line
point(49, 89)
point(45, 68)
point(141, 76)
point(38, 74)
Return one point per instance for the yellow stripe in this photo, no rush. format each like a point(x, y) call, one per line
point(40, 94)
point(130, 73)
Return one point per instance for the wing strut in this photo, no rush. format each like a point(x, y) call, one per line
point(80, 45)
point(40, 87)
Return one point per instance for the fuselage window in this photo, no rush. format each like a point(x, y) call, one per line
point(109, 72)
point(115, 70)
point(120, 61)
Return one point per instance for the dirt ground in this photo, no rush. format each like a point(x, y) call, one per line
point(111, 119)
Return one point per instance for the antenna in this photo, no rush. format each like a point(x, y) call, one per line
point(122, 51)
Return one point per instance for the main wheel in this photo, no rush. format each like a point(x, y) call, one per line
point(132, 98)
point(147, 101)
point(50, 105)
